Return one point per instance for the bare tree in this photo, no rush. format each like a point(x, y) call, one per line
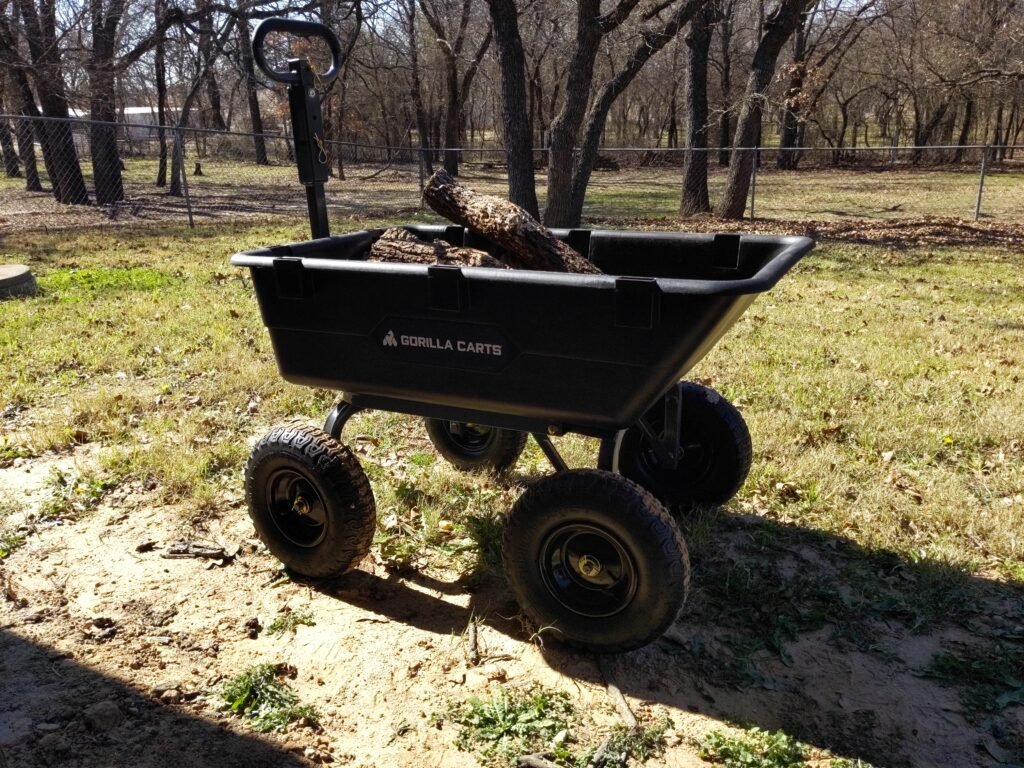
point(249, 83)
point(655, 36)
point(41, 36)
point(822, 39)
point(695, 197)
point(778, 27)
point(451, 41)
point(515, 118)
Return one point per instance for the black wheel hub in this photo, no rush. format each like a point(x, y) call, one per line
point(472, 439)
point(639, 459)
point(296, 508)
point(588, 570)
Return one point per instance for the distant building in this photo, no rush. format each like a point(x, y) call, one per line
point(138, 123)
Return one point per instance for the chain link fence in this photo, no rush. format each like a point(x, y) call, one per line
point(66, 173)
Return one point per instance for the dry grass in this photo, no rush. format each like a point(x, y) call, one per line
point(881, 387)
point(231, 188)
point(881, 383)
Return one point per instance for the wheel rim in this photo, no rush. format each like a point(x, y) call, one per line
point(588, 570)
point(695, 463)
point(638, 460)
point(472, 439)
point(296, 508)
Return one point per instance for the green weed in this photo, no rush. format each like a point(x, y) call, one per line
point(290, 620)
point(640, 744)
point(989, 682)
point(264, 700)
point(9, 451)
point(511, 724)
point(755, 748)
point(9, 543)
point(72, 494)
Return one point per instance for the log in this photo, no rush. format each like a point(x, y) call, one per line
point(528, 243)
point(400, 245)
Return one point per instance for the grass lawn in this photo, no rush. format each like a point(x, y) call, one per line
point(881, 387)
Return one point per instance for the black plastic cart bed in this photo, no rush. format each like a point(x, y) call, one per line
point(488, 355)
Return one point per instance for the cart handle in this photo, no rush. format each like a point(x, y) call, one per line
point(300, 29)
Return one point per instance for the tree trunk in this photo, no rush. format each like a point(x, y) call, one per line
point(249, 79)
point(779, 26)
point(106, 162)
point(62, 163)
point(725, 85)
point(923, 131)
point(29, 130)
point(522, 189)
point(215, 119)
point(416, 88)
point(160, 64)
point(566, 126)
point(651, 42)
point(528, 244)
point(452, 118)
point(695, 197)
point(12, 165)
point(965, 131)
point(789, 140)
point(672, 137)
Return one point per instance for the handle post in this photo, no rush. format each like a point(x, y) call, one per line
point(307, 117)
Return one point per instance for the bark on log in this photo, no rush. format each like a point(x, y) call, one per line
point(400, 245)
point(528, 244)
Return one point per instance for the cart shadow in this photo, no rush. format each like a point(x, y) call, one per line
point(859, 651)
point(44, 721)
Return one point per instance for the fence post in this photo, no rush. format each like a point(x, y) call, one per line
point(419, 165)
point(179, 151)
point(981, 183)
point(753, 181)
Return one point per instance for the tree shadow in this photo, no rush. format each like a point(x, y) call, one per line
point(46, 720)
point(863, 652)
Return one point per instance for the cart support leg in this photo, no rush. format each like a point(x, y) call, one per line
point(551, 452)
point(338, 417)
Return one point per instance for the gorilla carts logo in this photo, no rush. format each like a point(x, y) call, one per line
point(442, 342)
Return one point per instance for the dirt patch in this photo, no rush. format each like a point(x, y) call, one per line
point(111, 651)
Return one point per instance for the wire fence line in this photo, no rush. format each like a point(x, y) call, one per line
point(73, 172)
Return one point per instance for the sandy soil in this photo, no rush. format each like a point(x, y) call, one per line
point(109, 651)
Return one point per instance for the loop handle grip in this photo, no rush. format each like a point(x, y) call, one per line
point(298, 28)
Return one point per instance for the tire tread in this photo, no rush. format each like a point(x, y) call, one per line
point(342, 477)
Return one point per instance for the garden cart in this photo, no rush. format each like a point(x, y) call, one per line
point(489, 356)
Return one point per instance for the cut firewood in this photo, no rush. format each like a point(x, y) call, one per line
point(528, 243)
point(400, 245)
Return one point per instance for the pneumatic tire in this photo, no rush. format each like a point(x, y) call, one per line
point(715, 443)
point(310, 501)
point(473, 447)
point(595, 561)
